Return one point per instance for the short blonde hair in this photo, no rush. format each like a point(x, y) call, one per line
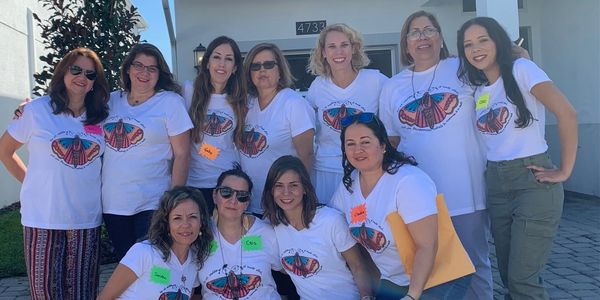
point(318, 64)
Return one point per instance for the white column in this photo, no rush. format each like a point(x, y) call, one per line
point(30, 51)
point(506, 12)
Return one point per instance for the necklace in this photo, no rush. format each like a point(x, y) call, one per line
point(224, 267)
point(412, 75)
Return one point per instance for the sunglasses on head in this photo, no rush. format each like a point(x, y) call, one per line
point(89, 74)
point(226, 192)
point(268, 65)
point(366, 117)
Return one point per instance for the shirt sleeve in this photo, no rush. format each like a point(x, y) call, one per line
point(21, 129)
point(415, 196)
point(340, 234)
point(528, 74)
point(386, 110)
point(337, 200)
point(310, 94)
point(301, 115)
point(273, 251)
point(178, 119)
point(138, 259)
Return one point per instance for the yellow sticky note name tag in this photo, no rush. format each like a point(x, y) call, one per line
point(483, 101)
point(209, 151)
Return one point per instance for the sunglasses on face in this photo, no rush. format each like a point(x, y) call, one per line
point(89, 74)
point(268, 65)
point(227, 192)
point(364, 118)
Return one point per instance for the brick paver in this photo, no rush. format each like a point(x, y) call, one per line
point(572, 272)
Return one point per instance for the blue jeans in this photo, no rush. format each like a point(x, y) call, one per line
point(124, 231)
point(451, 290)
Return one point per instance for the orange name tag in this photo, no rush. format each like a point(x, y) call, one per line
point(358, 214)
point(209, 151)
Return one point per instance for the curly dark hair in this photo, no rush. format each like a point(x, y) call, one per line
point(158, 233)
point(96, 100)
point(505, 59)
point(273, 212)
point(392, 158)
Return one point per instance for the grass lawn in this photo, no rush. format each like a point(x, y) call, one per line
point(12, 262)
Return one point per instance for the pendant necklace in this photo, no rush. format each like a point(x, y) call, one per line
point(224, 267)
point(426, 94)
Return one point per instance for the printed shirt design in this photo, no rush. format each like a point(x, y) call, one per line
point(235, 283)
point(174, 292)
point(254, 141)
point(371, 237)
point(300, 262)
point(430, 111)
point(74, 150)
point(334, 113)
point(217, 124)
point(123, 133)
point(493, 121)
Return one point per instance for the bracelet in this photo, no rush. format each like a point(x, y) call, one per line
point(367, 298)
point(411, 297)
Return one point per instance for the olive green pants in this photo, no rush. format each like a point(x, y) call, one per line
point(524, 218)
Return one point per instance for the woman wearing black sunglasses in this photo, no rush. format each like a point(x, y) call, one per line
point(378, 181)
point(279, 121)
point(244, 250)
point(60, 198)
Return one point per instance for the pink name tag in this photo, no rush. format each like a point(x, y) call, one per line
point(93, 129)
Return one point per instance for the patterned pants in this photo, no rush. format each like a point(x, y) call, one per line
point(62, 264)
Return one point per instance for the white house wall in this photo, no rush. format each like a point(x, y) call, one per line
point(15, 62)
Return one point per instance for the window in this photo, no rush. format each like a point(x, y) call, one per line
point(470, 6)
point(381, 59)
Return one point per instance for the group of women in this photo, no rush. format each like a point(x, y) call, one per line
point(317, 215)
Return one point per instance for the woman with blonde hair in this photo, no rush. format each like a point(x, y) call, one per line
point(343, 87)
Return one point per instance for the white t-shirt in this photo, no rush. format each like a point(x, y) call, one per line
point(332, 104)
point(413, 196)
point(243, 268)
point(312, 256)
point(438, 131)
point(268, 135)
point(219, 128)
point(496, 116)
point(61, 189)
point(157, 278)
point(136, 170)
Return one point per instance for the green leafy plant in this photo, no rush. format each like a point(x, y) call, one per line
point(105, 26)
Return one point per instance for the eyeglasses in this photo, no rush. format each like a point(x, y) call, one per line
point(226, 192)
point(268, 65)
point(138, 66)
point(89, 74)
point(416, 34)
point(365, 117)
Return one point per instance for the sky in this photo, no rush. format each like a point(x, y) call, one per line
point(156, 33)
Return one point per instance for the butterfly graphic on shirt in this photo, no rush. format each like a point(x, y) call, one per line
point(370, 238)
point(75, 152)
point(333, 116)
point(175, 295)
point(494, 121)
point(120, 135)
point(301, 265)
point(429, 110)
point(253, 143)
point(215, 125)
point(234, 286)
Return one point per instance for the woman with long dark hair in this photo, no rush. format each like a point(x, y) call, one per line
point(165, 266)
point(216, 102)
point(315, 244)
point(524, 191)
point(61, 209)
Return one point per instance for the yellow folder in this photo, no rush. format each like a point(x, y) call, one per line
point(451, 260)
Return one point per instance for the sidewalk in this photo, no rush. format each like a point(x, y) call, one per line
point(572, 272)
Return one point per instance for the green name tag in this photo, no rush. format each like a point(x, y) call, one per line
point(482, 101)
point(252, 243)
point(160, 275)
point(213, 246)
